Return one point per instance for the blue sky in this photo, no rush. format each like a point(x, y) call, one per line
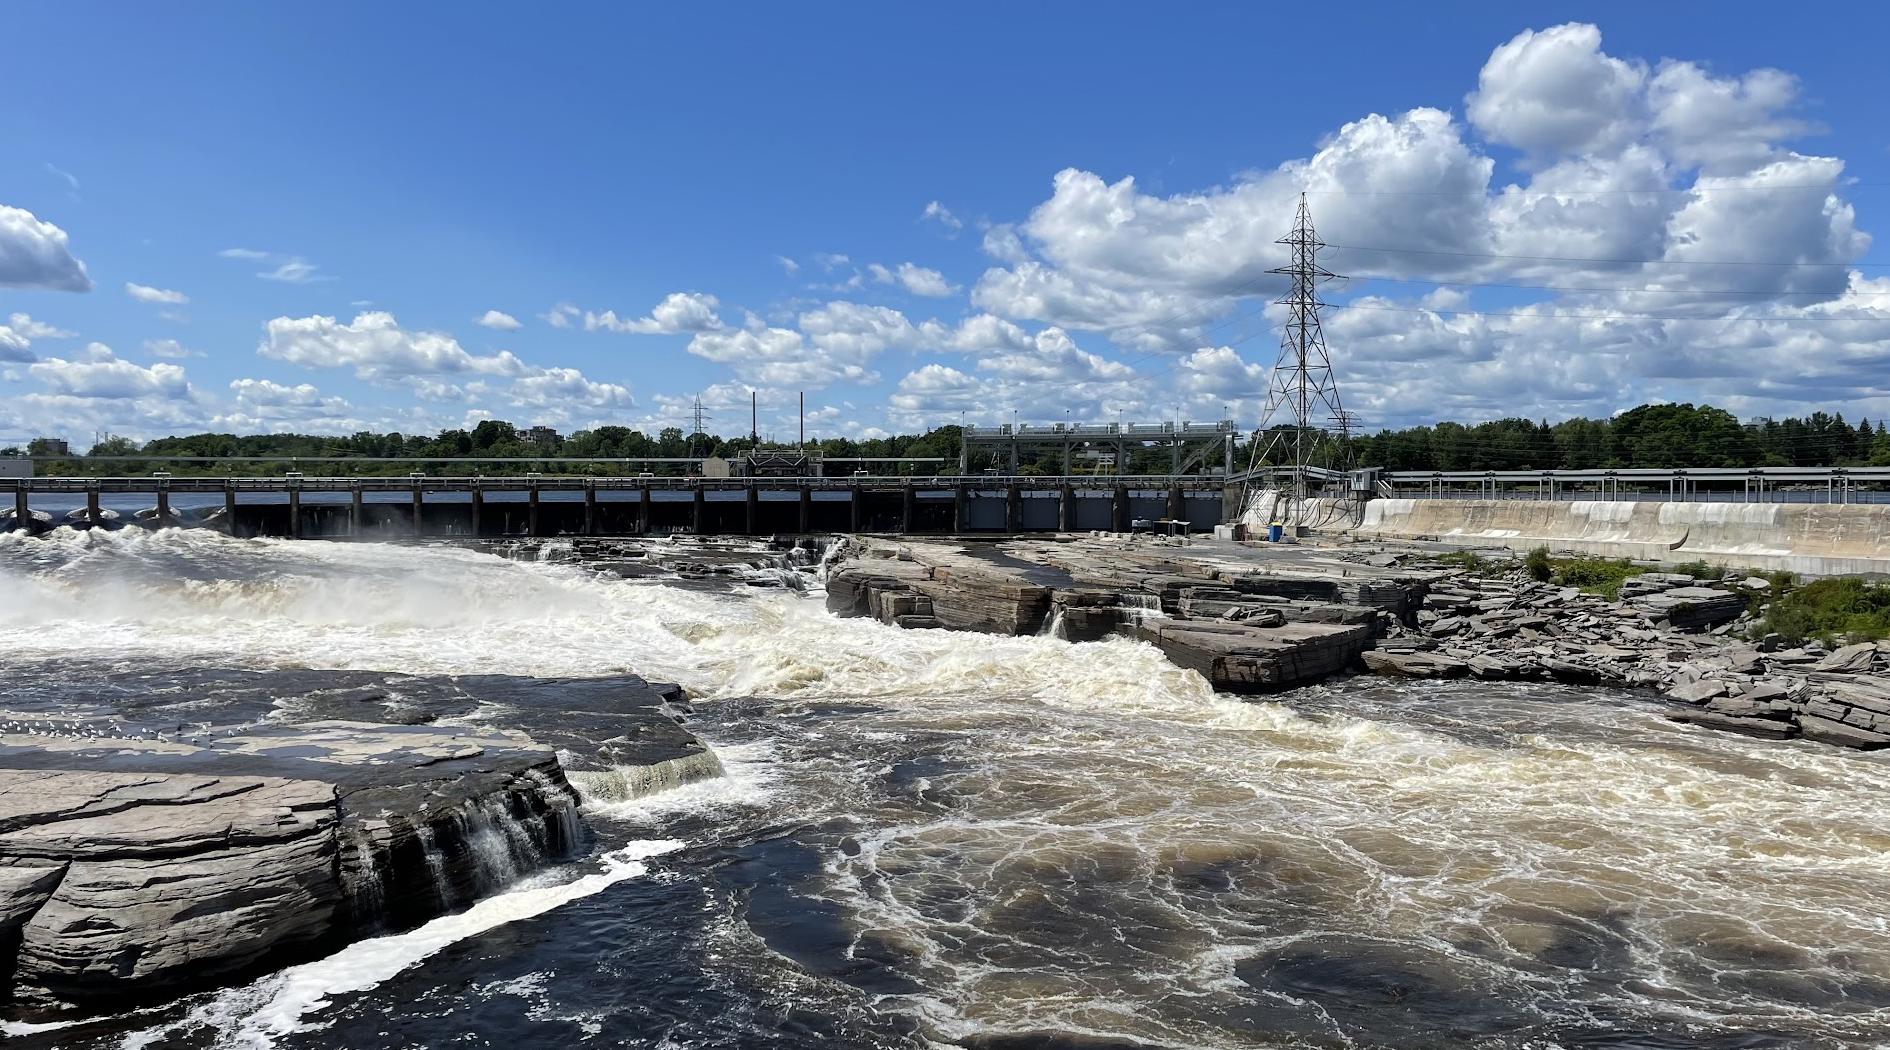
point(292, 219)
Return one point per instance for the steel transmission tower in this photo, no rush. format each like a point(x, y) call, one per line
point(1302, 383)
point(699, 415)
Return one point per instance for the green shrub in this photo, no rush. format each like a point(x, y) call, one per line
point(1830, 609)
point(1536, 564)
point(1601, 576)
point(1699, 570)
point(1465, 560)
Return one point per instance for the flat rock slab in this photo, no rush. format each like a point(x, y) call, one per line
point(164, 879)
point(147, 847)
point(1414, 665)
point(1763, 728)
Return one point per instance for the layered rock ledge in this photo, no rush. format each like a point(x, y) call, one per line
point(1248, 622)
point(181, 829)
point(1256, 618)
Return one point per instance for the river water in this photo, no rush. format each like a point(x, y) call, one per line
point(936, 839)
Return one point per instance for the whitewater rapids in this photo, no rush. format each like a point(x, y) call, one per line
point(965, 840)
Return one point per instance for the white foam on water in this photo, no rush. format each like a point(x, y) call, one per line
point(749, 779)
point(257, 1014)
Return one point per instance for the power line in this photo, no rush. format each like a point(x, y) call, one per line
point(1598, 317)
point(1647, 192)
point(1575, 259)
point(1727, 292)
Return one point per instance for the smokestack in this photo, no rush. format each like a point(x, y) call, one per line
point(754, 418)
point(803, 438)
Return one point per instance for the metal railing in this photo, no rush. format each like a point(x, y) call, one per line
point(578, 483)
point(1688, 484)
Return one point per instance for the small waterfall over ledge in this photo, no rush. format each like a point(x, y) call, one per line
point(624, 783)
point(398, 869)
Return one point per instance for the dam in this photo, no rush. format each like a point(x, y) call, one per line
point(475, 507)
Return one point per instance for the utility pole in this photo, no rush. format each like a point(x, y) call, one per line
point(1302, 382)
point(699, 415)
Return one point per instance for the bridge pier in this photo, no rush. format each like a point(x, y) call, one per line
point(751, 511)
point(478, 509)
point(91, 504)
point(1119, 508)
point(699, 509)
point(163, 505)
point(807, 509)
point(960, 505)
point(419, 510)
point(22, 509)
point(229, 507)
point(355, 500)
point(905, 509)
point(1066, 508)
point(590, 508)
point(1177, 504)
point(531, 510)
point(857, 497)
point(643, 509)
point(1013, 509)
point(295, 513)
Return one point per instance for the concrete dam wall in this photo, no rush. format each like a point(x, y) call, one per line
point(1811, 539)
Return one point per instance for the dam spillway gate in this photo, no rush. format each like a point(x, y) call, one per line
point(389, 508)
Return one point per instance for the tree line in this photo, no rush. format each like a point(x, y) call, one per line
point(1655, 436)
point(1666, 435)
point(609, 447)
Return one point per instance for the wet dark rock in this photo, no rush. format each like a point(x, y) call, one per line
point(1763, 728)
point(1844, 734)
point(165, 831)
point(1414, 665)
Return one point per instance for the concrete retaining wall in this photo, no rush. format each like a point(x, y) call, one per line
point(1810, 539)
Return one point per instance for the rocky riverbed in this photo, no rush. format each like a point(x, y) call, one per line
point(172, 824)
point(1255, 619)
point(160, 832)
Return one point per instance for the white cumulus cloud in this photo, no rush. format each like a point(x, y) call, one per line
point(34, 254)
point(678, 312)
point(144, 293)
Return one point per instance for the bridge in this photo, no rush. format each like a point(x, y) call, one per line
point(565, 505)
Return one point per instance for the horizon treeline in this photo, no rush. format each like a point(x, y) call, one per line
point(1664, 435)
point(1656, 436)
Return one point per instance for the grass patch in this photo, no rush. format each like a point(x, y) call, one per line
point(1602, 576)
point(1536, 563)
point(1469, 562)
point(1830, 610)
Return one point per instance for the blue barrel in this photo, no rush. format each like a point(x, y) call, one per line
point(1275, 531)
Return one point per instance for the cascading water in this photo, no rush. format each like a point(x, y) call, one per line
point(625, 783)
point(435, 861)
point(367, 885)
point(1138, 606)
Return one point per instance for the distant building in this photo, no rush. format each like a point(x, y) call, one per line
point(543, 437)
point(776, 463)
point(45, 446)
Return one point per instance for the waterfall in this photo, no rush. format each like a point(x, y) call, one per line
point(623, 783)
point(436, 863)
point(367, 889)
point(1138, 606)
point(488, 845)
point(1052, 624)
point(830, 556)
